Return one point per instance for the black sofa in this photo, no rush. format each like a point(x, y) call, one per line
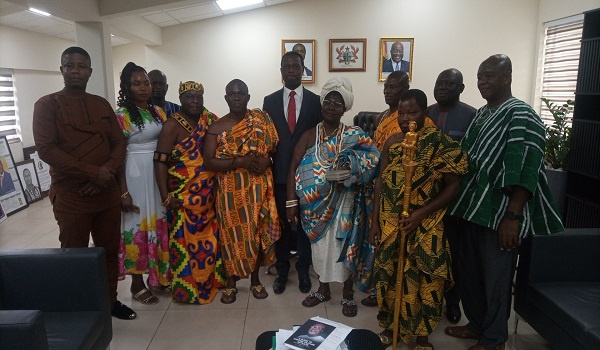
point(54, 299)
point(557, 288)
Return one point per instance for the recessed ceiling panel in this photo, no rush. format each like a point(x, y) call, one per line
point(159, 17)
point(193, 11)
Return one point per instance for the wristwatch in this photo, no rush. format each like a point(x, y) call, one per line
point(512, 216)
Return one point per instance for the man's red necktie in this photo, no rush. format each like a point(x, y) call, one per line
point(292, 112)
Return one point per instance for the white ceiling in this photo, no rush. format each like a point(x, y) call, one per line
point(18, 16)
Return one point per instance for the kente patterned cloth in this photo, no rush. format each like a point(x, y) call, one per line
point(338, 216)
point(196, 263)
point(245, 203)
point(144, 246)
point(427, 259)
point(389, 126)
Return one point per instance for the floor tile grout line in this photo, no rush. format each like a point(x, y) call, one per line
point(158, 326)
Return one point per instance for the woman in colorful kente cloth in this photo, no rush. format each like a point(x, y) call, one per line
point(238, 148)
point(436, 181)
point(330, 167)
point(186, 189)
point(144, 244)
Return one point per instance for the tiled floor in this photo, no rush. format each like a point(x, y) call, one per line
point(169, 325)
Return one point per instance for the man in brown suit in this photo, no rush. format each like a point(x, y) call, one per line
point(78, 135)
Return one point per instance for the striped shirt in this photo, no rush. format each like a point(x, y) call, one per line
point(506, 148)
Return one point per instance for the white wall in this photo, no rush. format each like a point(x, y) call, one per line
point(30, 86)
point(23, 49)
point(460, 34)
point(35, 60)
point(551, 10)
point(123, 54)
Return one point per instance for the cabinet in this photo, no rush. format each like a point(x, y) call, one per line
point(582, 206)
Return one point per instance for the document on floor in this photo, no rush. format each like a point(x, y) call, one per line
point(318, 334)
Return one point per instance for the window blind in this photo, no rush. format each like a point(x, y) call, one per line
point(9, 119)
point(560, 64)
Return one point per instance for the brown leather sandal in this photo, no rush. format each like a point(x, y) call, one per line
point(259, 291)
point(229, 295)
point(349, 308)
point(314, 299)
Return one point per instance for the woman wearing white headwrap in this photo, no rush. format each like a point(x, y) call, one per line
point(330, 167)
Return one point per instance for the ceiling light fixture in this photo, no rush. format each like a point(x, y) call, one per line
point(225, 5)
point(39, 12)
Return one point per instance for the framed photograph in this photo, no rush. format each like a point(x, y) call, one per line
point(29, 180)
point(42, 168)
point(306, 48)
point(395, 54)
point(2, 213)
point(347, 55)
point(11, 192)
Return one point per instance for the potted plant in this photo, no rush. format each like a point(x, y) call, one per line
point(558, 144)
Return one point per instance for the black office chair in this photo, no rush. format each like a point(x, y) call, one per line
point(367, 122)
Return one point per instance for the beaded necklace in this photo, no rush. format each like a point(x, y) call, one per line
point(322, 137)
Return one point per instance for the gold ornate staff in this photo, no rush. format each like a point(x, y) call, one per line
point(409, 165)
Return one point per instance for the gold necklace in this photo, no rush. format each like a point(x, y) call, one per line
point(334, 132)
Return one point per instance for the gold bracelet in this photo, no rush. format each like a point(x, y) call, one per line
point(125, 194)
point(167, 201)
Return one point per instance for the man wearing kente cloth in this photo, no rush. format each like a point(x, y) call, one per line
point(387, 121)
point(186, 189)
point(387, 125)
point(238, 148)
point(435, 182)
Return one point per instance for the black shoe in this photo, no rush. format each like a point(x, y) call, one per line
point(453, 313)
point(279, 284)
point(304, 283)
point(122, 312)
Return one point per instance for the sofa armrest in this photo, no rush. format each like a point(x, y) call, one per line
point(22, 330)
point(54, 280)
point(571, 256)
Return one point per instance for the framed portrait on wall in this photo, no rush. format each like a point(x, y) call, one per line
point(11, 192)
point(29, 181)
point(395, 54)
point(347, 55)
point(2, 213)
point(42, 168)
point(306, 48)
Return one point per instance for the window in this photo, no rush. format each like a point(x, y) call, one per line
point(9, 119)
point(561, 61)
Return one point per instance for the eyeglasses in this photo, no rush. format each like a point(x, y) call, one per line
point(327, 103)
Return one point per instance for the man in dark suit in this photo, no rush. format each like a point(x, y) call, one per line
point(6, 182)
point(294, 110)
point(301, 49)
point(396, 62)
